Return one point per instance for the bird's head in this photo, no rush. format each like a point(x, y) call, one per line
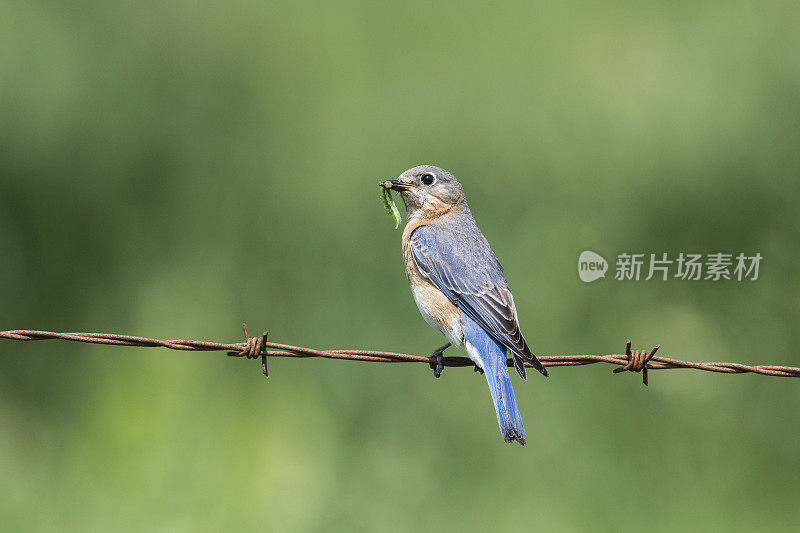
point(427, 191)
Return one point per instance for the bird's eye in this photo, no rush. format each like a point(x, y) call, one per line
point(428, 179)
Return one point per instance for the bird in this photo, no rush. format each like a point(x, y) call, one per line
point(460, 287)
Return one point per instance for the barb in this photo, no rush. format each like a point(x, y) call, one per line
point(254, 347)
point(637, 361)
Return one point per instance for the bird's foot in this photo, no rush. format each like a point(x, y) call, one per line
point(478, 369)
point(438, 365)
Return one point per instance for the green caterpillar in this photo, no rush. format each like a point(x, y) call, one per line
point(388, 203)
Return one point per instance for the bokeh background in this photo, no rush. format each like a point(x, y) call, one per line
point(173, 169)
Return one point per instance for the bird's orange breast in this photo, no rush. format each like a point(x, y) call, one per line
point(436, 308)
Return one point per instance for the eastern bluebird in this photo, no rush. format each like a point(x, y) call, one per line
point(459, 285)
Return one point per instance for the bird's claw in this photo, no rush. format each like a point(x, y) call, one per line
point(438, 365)
point(478, 369)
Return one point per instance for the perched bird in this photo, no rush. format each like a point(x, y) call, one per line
point(459, 285)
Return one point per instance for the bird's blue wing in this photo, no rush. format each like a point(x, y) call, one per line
point(469, 274)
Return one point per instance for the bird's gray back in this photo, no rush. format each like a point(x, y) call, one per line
point(472, 258)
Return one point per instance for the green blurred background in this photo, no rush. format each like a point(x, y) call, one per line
point(173, 169)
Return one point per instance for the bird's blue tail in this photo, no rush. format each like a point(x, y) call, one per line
point(491, 355)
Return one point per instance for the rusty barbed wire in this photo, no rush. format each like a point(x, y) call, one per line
point(255, 347)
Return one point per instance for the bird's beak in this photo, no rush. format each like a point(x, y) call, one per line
point(396, 185)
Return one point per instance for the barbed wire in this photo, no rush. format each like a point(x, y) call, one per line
point(255, 347)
